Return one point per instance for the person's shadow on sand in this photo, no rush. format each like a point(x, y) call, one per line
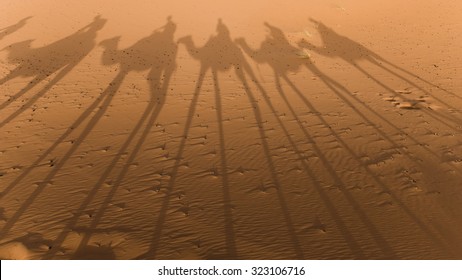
point(156, 53)
point(220, 54)
point(335, 45)
point(13, 28)
point(57, 58)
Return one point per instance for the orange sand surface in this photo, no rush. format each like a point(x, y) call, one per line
point(231, 129)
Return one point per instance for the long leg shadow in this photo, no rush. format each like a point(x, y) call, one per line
point(68, 132)
point(431, 113)
point(341, 91)
point(335, 45)
point(58, 57)
point(152, 251)
point(379, 239)
point(157, 52)
point(106, 97)
point(267, 54)
point(350, 240)
point(337, 89)
point(13, 28)
point(229, 228)
point(380, 61)
point(266, 149)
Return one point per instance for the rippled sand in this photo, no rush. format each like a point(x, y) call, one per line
point(230, 130)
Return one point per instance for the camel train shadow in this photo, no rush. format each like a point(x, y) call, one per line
point(156, 54)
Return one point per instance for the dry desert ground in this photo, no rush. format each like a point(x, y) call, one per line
point(238, 129)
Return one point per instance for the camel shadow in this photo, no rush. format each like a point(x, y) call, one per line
point(335, 45)
point(57, 58)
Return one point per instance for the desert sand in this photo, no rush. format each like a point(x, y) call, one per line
point(231, 129)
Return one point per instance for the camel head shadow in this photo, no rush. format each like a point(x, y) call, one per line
point(13, 28)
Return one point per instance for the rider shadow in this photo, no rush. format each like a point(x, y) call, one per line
point(279, 54)
point(13, 28)
point(218, 55)
point(59, 57)
point(156, 53)
point(338, 46)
